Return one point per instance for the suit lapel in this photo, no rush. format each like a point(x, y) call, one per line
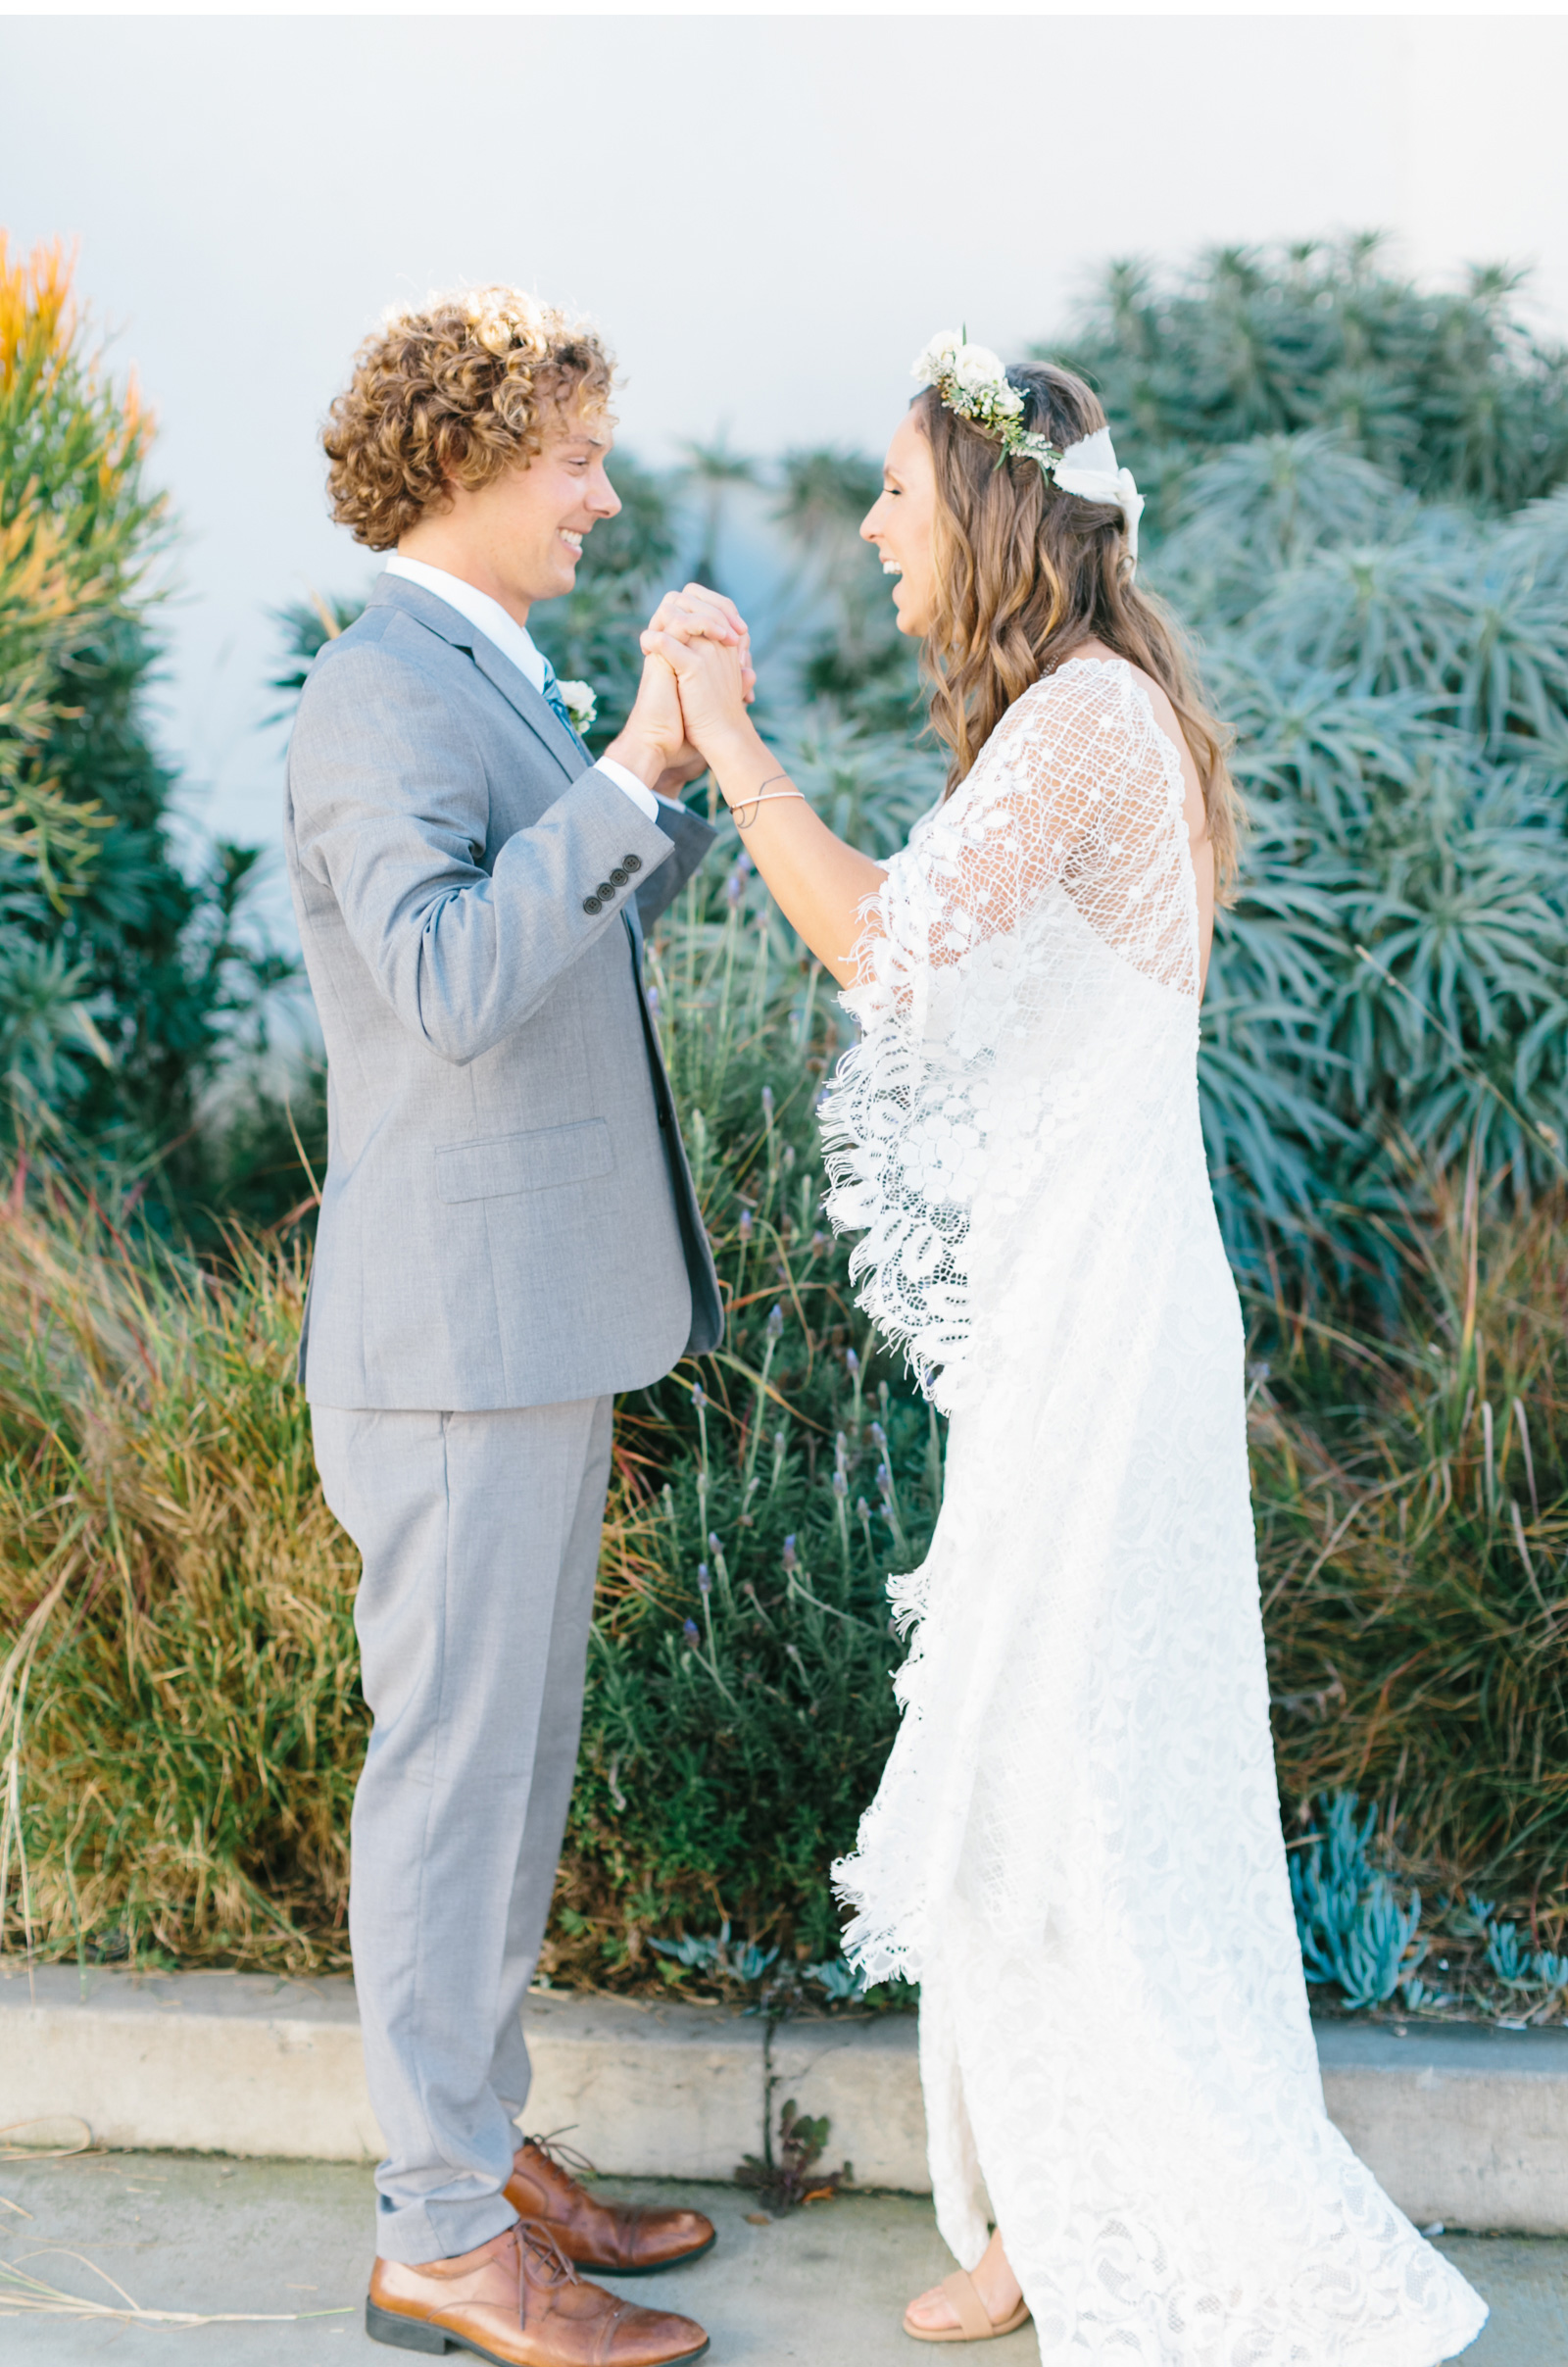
point(530, 705)
point(533, 707)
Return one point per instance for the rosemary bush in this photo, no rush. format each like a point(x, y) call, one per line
point(739, 1704)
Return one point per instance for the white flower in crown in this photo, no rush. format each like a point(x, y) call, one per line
point(937, 358)
point(580, 704)
point(969, 379)
point(979, 372)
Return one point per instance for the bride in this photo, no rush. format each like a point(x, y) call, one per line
point(1076, 1844)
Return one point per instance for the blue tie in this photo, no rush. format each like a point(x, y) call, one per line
point(551, 687)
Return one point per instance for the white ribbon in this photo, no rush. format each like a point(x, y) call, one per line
point(1089, 469)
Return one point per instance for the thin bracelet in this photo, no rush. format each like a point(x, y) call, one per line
point(765, 796)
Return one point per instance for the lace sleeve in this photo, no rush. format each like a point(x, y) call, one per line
point(1076, 787)
point(1059, 867)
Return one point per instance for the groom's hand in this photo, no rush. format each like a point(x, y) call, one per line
point(654, 743)
point(711, 680)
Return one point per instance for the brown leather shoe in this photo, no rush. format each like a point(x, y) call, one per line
point(617, 2239)
point(518, 2303)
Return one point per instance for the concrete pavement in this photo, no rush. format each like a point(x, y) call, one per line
point(1458, 2121)
point(826, 2286)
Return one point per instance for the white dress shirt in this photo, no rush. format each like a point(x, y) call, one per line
point(515, 642)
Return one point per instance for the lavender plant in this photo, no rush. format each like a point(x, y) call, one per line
point(739, 1696)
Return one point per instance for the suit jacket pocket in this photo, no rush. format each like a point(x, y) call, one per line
point(523, 1162)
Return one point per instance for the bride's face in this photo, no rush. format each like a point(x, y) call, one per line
point(900, 525)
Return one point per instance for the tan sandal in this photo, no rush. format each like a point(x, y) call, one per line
point(975, 2322)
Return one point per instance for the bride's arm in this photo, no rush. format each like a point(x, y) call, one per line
point(818, 884)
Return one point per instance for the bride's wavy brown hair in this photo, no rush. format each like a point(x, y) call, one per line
point(1027, 575)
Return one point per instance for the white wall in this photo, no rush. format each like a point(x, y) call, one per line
point(767, 215)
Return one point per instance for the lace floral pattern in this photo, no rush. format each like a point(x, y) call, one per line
point(1076, 1844)
point(1048, 898)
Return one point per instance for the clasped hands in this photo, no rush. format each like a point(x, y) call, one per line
point(698, 683)
point(691, 711)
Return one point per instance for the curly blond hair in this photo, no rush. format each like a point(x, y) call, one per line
point(452, 393)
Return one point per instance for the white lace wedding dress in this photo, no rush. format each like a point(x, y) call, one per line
point(1076, 1846)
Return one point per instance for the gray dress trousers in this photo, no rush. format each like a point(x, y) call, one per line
point(481, 1539)
point(509, 1235)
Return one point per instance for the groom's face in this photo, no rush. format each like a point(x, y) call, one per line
point(535, 519)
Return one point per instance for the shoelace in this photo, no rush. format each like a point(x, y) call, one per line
point(535, 2238)
point(565, 2157)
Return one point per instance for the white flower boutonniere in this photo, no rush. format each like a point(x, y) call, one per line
point(580, 704)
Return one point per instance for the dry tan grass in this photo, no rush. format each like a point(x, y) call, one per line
point(1415, 1556)
point(181, 1727)
point(179, 1708)
point(180, 1723)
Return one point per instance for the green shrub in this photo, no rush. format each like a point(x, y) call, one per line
point(182, 1686)
point(1386, 1011)
point(1351, 505)
point(1397, 680)
point(120, 978)
point(739, 1702)
point(180, 1600)
point(1452, 394)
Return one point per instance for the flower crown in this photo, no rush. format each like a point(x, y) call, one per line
point(971, 381)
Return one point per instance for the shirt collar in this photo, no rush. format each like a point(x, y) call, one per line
point(488, 615)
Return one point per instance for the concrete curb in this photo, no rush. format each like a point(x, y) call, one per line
point(1460, 2123)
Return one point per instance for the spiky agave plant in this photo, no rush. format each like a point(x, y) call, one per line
point(1450, 392)
point(1397, 680)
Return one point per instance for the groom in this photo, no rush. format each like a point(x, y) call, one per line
point(509, 1235)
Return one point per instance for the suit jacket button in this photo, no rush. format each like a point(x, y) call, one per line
point(604, 892)
point(632, 863)
point(618, 876)
point(590, 904)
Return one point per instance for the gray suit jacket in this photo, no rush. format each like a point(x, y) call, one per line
point(508, 1217)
